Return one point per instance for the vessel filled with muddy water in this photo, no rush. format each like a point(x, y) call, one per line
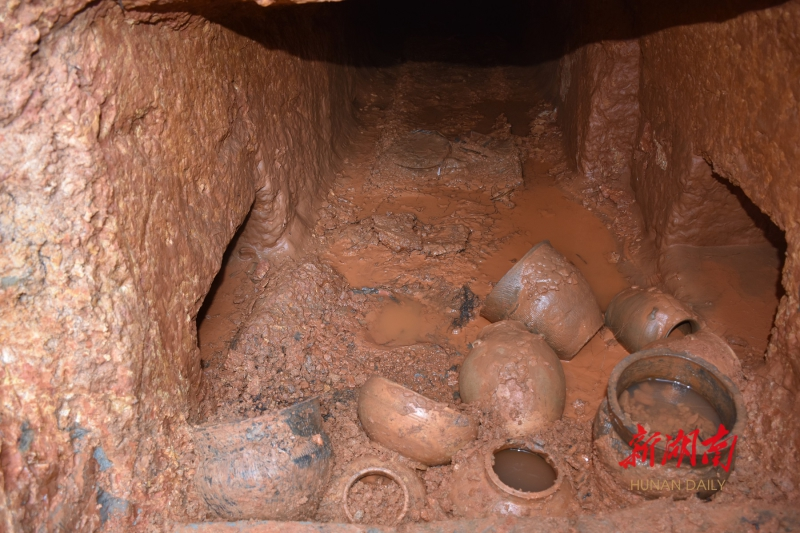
point(214, 214)
point(674, 414)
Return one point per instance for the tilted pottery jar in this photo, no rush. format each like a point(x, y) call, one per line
point(638, 317)
point(548, 294)
point(614, 429)
point(516, 377)
point(411, 424)
point(274, 466)
point(477, 491)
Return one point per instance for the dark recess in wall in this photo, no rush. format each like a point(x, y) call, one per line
point(761, 220)
point(220, 277)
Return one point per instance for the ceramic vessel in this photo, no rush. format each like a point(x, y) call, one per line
point(707, 346)
point(614, 429)
point(273, 466)
point(411, 424)
point(516, 377)
point(478, 492)
point(413, 487)
point(638, 317)
point(550, 296)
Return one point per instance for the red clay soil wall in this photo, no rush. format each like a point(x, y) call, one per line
point(725, 96)
point(130, 153)
point(718, 99)
point(599, 85)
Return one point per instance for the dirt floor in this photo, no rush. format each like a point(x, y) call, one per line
point(404, 258)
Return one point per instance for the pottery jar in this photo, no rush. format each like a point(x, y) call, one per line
point(614, 430)
point(274, 466)
point(548, 294)
point(707, 346)
point(516, 377)
point(477, 491)
point(371, 466)
point(638, 317)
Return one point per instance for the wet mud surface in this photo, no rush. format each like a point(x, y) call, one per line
point(402, 260)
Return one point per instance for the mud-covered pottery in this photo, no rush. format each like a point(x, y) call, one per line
point(411, 424)
point(370, 466)
point(647, 472)
point(548, 294)
point(516, 377)
point(707, 346)
point(274, 466)
point(477, 491)
point(638, 317)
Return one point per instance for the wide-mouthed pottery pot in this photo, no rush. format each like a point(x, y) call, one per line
point(515, 376)
point(477, 491)
point(638, 317)
point(647, 472)
point(707, 346)
point(548, 294)
point(274, 466)
point(411, 424)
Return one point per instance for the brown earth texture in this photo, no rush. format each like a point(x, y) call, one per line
point(211, 211)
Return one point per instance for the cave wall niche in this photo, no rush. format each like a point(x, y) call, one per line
point(714, 153)
point(703, 208)
point(722, 91)
point(133, 147)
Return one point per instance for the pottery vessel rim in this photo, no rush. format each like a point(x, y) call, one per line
point(286, 411)
point(696, 328)
point(511, 273)
point(522, 444)
point(381, 471)
point(626, 428)
point(385, 383)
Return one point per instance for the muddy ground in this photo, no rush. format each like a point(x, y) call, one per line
point(402, 259)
